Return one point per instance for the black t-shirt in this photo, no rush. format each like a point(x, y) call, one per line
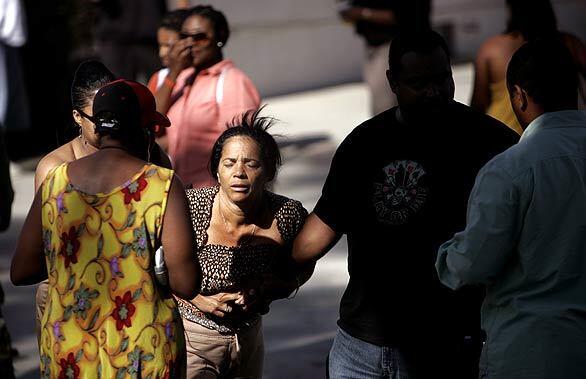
point(398, 191)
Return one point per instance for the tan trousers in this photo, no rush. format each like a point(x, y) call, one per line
point(213, 355)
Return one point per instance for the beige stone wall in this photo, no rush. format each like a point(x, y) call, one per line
point(292, 45)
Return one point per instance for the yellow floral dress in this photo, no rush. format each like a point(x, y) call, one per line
point(106, 317)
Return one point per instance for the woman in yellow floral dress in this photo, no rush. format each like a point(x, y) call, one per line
point(106, 316)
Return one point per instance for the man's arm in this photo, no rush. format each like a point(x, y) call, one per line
point(494, 220)
point(376, 16)
point(314, 241)
point(328, 221)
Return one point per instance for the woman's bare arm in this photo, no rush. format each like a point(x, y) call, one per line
point(49, 162)
point(178, 244)
point(179, 59)
point(28, 263)
point(481, 90)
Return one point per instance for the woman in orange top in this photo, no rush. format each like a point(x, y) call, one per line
point(205, 96)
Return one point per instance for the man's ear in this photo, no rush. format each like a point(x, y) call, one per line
point(520, 98)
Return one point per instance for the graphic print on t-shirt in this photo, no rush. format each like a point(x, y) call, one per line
point(402, 194)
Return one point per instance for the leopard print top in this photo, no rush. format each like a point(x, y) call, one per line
point(231, 268)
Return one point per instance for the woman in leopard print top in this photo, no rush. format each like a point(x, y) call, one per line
point(244, 238)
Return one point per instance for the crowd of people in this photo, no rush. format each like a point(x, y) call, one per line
point(159, 245)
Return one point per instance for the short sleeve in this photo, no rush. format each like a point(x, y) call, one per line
point(200, 203)
point(332, 206)
point(290, 219)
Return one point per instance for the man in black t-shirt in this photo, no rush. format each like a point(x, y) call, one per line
point(397, 187)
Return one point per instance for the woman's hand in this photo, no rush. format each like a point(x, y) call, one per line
point(219, 304)
point(179, 57)
point(255, 299)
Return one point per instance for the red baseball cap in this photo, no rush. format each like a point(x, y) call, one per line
point(126, 103)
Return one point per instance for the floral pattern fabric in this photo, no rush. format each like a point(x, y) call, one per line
point(105, 315)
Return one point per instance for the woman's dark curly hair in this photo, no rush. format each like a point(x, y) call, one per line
point(217, 18)
point(255, 127)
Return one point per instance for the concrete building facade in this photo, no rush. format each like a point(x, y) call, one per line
point(293, 45)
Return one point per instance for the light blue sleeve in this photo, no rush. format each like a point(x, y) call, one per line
point(479, 253)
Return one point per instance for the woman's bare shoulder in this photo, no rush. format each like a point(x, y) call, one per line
point(55, 158)
point(501, 44)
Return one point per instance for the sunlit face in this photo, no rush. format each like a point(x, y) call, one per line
point(424, 84)
point(204, 48)
point(86, 125)
point(166, 39)
point(240, 172)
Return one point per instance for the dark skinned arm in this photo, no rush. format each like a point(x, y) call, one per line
point(178, 243)
point(481, 93)
point(179, 59)
point(28, 262)
point(313, 242)
point(376, 16)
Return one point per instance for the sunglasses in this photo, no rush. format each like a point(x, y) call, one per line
point(198, 38)
point(105, 120)
point(85, 115)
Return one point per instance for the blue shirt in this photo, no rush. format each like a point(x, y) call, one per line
point(525, 239)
